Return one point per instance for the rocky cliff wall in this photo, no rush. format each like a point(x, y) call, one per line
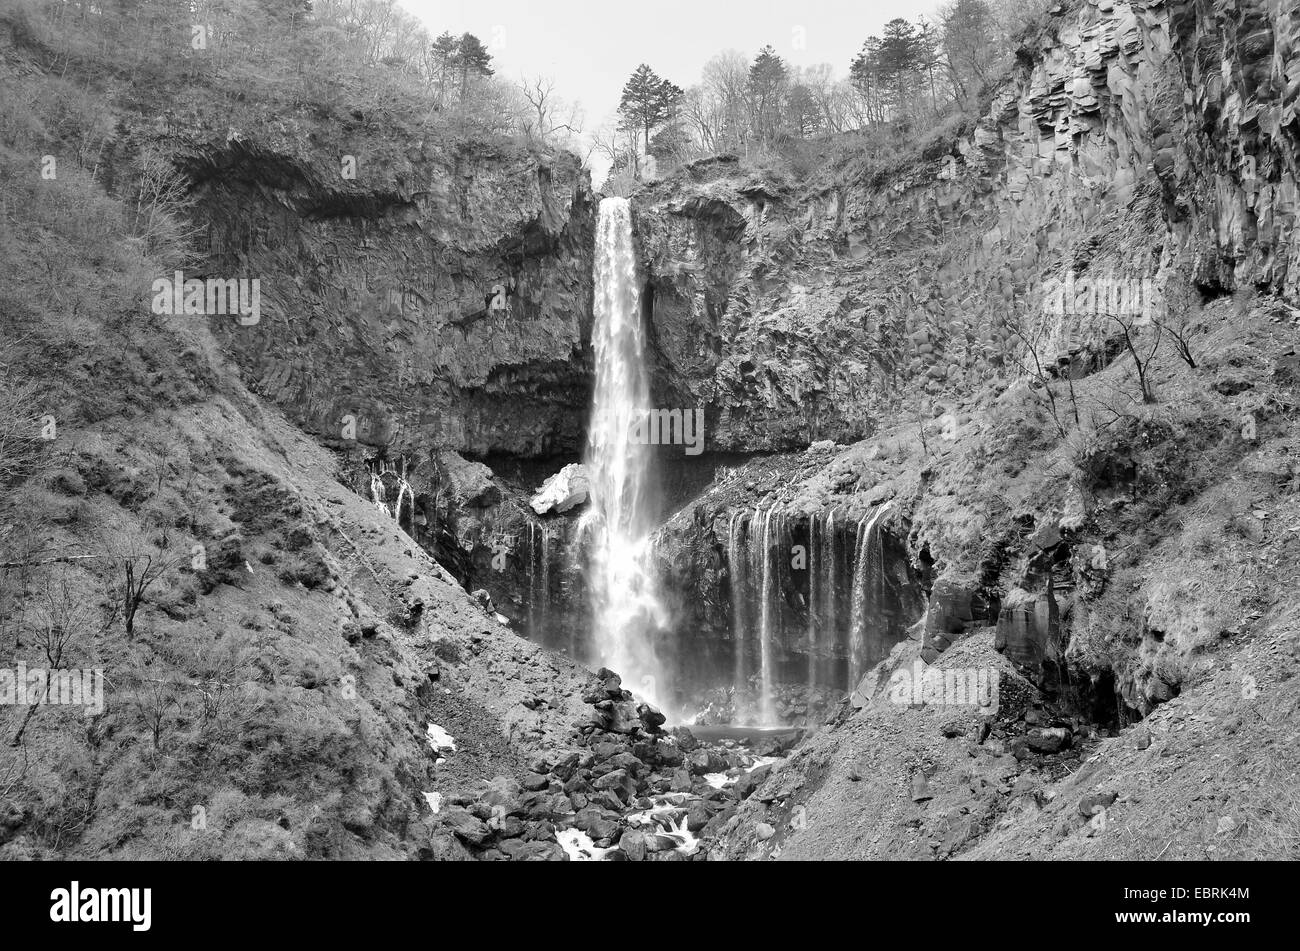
point(440, 300)
point(1148, 149)
point(1134, 141)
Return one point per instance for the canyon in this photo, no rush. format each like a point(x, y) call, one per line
point(966, 568)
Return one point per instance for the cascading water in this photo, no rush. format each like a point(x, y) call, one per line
point(814, 599)
point(539, 577)
point(854, 611)
point(739, 619)
point(868, 578)
point(626, 609)
point(379, 495)
point(770, 619)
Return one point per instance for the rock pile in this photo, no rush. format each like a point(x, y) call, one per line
point(626, 790)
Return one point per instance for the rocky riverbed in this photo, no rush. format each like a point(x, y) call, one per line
point(626, 789)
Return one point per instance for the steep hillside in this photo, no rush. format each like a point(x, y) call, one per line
point(1069, 333)
point(987, 552)
point(277, 654)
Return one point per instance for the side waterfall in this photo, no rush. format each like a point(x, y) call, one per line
point(848, 605)
point(626, 609)
point(405, 494)
point(868, 579)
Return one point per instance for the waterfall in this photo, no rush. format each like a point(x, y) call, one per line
point(868, 578)
point(539, 578)
point(379, 495)
point(739, 619)
point(770, 618)
point(814, 602)
point(831, 600)
point(626, 609)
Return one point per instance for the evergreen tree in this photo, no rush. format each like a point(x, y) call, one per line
point(473, 59)
point(802, 111)
point(443, 53)
point(767, 85)
point(648, 101)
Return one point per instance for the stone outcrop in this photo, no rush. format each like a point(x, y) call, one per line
point(1136, 140)
point(440, 300)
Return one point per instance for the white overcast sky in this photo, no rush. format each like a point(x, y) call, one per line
point(590, 47)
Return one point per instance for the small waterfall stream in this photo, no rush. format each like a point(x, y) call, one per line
point(847, 617)
point(382, 470)
point(769, 612)
point(868, 582)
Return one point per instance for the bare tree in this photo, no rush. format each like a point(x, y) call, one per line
point(547, 114)
point(1013, 326)
point(154, 700)
point(62, 618)
point(1143, 363)
point(137, 564)
point(21, 427)
point(162, 205)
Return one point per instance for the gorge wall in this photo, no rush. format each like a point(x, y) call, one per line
point(1147, 148)
point(1147, 145)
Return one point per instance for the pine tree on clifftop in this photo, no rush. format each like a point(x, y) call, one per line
point(648, 101)
point(473, 59)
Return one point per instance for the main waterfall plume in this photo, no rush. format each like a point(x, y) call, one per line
point(626, 609)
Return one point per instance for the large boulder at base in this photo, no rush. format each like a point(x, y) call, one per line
point(565, 490)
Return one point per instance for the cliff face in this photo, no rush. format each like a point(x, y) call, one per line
point(1136, 140)
point(1072, 517)
point(1147, 151)
point(440, 300)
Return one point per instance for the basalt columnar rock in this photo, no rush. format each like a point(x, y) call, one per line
point(439, 299)
point(1135, 140)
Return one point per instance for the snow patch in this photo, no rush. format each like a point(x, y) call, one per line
point(440, 739)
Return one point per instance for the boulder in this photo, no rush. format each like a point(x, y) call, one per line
point(706, 761)
point(633, 843)
point(1049, 740)
point(618, 782)
point(535, 850)
point(470, 483)
point(466, 826)
point(651, 718)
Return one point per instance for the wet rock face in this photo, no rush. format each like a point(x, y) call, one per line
point(953, 611)
point(442, 301)
point(830, 599)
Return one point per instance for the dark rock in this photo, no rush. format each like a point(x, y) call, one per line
point(617, 782)
point(686, 740)
point(703, 761)
point(1093, 803)
point(633, 843)
point(465, 826)
point(534, 782)
point(651, 718)
point(698, 816)
point(520, 850)
point(1049, 740)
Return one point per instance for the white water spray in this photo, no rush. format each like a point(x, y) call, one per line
point(626, 610)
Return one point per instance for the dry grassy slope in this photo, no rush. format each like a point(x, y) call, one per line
point(1194, 614)
point(281, 693)
point(293, 763)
